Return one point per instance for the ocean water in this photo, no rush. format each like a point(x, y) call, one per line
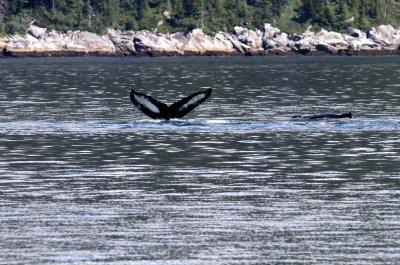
point(85, 178)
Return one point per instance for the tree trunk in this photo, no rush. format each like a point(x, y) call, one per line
point(89, 11)
point(2, 10)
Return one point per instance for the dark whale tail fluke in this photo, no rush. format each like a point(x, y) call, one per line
point(324, 116)
point(158, 110)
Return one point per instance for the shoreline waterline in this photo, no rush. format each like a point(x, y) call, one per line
point(270, 41)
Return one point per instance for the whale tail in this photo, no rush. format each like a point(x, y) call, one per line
point(158, 110)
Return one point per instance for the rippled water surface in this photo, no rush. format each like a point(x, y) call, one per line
point(85, 178)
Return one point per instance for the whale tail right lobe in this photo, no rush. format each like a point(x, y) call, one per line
point(187, 104)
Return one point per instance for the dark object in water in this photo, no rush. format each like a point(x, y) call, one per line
point(157, 110)
point(324, 116)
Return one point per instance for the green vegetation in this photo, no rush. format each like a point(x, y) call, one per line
point(184, 15)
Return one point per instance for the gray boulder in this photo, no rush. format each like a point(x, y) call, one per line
point(356, 33)
point(385, 35)
point(252, 40)
point(153, 43)
point(197, 42)
point(93, 43)
point(270, 32)
point(358, 41)
point(123, 41)
point(36, 31)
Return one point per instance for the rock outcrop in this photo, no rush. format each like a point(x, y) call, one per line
point(275, 43)
point(386, 36)
point(123, 41)
point(39, 41)
point(193, 43)
point(251, 41)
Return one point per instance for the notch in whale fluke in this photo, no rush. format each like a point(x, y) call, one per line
point(158, 110)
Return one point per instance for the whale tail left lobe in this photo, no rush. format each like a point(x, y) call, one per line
point(151, 107)
point(158, 110)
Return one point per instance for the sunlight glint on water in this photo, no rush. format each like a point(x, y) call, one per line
point(87, 179)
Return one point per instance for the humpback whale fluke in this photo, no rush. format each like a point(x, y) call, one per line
point(157, 110)
point(324, 116)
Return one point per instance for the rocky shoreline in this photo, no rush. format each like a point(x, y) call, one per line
point(40, 42)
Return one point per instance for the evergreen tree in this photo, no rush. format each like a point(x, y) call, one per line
point(2, 10)
point(141, 9)
point(184, 15)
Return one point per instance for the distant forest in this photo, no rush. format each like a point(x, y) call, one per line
point(185, 15)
